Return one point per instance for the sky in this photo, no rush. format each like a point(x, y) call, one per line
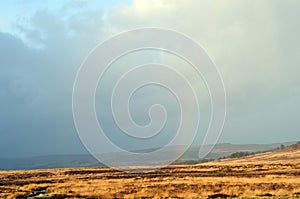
point(254, 44)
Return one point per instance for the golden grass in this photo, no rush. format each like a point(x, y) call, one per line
point(275, 175)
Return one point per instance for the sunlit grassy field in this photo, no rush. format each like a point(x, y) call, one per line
point(273, 174)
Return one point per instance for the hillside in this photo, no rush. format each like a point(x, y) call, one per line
point(290, 154)
point(84, 161)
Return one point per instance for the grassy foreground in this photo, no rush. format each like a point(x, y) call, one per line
point(201, 181)
point(268, 175)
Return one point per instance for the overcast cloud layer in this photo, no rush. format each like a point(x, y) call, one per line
point(255, 45)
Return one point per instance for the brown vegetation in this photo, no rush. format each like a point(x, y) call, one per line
point(272, 174)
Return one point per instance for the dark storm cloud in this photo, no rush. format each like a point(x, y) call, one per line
point(35, 115)
point(38, 66)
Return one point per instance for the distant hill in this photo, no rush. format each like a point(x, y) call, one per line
point(284, 154)
point(77, 161)
point(50, 161)
point(292, 148)
point(226, 149)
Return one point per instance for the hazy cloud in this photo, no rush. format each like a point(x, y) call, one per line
point(254, 44)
